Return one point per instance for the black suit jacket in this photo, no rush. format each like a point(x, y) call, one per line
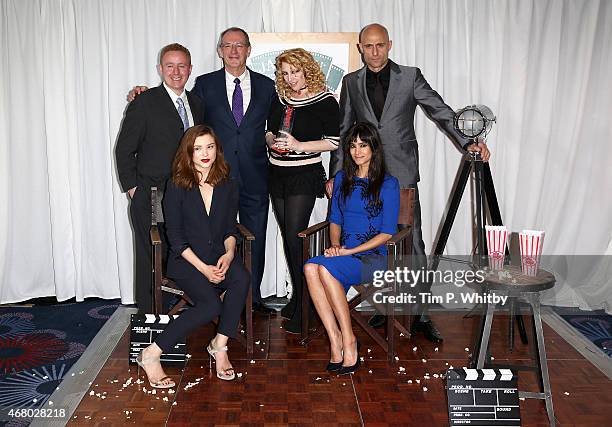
point(189, 226)
point(149, 136)
point(244, 146)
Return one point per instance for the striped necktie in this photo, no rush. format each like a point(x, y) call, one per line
point(183, 113)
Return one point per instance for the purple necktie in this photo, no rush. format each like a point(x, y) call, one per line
point(237, 102)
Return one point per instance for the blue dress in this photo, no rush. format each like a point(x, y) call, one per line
point(360, 220)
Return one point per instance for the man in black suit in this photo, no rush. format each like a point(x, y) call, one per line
point(236, 103)
point(150, 134)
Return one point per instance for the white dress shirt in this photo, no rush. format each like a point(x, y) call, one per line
point(245, 85)
point(183, 96)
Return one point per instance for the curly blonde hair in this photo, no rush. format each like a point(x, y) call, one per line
point(303, 61)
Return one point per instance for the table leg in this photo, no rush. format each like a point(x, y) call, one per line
point(534, 300)
point(486, 334)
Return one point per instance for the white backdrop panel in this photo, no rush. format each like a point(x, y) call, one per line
point(542, 66)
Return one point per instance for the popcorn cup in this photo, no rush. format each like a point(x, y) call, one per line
point(531, 242)
point(496, 245)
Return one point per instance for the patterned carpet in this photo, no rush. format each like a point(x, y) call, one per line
point(39, 345)
point(596, 326)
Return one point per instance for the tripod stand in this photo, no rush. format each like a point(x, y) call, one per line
point(485, 197)
point(484, 194)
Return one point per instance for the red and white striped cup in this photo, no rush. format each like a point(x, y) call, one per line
point(496, 245)
point(531, 242)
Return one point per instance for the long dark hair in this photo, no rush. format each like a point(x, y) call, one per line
point(184, 173)
point(377, 170)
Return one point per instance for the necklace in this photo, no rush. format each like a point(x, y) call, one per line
point(298, 92)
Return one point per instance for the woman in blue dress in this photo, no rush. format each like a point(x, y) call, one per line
point(363, 216)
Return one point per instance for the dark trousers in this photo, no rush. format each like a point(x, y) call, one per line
point(292, 214)
point(208, 304)
point(253, 213)
point(419, 259)
point(140, 214)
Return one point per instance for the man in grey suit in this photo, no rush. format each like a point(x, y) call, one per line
point(386, 94)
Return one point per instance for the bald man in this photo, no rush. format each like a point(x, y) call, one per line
point(386, 94)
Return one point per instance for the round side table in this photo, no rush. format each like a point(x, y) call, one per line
point(512, 282)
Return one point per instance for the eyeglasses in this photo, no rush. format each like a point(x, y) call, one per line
point(231, 45)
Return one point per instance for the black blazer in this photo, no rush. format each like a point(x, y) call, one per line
point(244, 146)
point(149, 136)
point(189, 226)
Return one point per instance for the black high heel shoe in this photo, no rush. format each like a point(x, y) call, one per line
point(350, 369)
point(334, 366)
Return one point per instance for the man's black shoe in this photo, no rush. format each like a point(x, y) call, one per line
point(429, 330)
point(260, 308)
point(376, 321)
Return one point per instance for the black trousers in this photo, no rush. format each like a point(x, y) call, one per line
point(140, 214)
point(253, 213)
point(292, 214)
point(208, 304)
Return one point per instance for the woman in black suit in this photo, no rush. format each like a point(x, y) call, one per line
point(200, 208)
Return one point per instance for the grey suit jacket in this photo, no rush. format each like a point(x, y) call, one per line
point(407, 89)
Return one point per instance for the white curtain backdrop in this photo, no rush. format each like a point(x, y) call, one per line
point(542, 66)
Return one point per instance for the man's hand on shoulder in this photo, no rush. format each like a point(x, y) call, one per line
point(480, 147)
point(131, 192)
point(136, 90)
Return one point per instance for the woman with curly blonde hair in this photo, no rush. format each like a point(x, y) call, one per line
point(300, 60)
point(303, 123)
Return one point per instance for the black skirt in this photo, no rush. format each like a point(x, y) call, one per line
point(304, 180)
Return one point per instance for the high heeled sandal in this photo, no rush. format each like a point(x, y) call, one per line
point(223, 375)
point(157, 384)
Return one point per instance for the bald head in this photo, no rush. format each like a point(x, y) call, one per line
point(374, 46)
point(373, 27)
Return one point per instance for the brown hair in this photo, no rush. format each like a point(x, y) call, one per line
point(301, 60)
point(184, 173)
point(171, 48)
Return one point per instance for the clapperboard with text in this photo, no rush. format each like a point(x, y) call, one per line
point(145, 328)
point(482, 397)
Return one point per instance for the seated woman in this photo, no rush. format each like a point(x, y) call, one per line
point(363, 216)
point(200, 208)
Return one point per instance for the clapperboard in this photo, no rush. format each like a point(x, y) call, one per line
point(145, 328)
point(482, 397)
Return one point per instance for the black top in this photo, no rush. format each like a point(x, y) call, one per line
point(385, 76)
point(315, 118)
